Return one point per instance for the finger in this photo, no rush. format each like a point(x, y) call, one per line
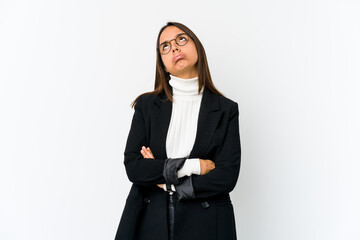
point(146, 155)
point(142, 153)
point(150, 154)
point(145, 152)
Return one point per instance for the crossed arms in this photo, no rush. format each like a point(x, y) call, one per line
point(149, 170)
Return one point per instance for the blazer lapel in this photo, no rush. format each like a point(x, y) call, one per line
point(209, 116)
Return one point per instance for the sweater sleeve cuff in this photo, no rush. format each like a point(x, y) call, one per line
point(191, 166)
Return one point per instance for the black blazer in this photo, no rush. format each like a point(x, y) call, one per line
point(217, 139)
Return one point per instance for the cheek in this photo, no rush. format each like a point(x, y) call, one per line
point(194, 52)
point(165, 60)
point(196, 56)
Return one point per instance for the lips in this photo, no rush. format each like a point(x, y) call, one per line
point(177, 57)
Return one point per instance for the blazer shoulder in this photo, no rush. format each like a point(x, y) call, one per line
point(228, 103)
point(146, 100)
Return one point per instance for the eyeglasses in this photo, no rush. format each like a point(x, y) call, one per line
point(181, 40)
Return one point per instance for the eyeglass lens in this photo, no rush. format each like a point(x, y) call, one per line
point(181, 40)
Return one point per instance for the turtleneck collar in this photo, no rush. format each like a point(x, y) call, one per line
point(184, 87)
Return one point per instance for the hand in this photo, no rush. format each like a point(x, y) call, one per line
point(206, 166)
point(146, 152)
point(161, 185)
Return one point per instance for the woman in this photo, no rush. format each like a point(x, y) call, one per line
point(183, 149)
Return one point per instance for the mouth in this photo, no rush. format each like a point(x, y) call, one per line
point(177, 57)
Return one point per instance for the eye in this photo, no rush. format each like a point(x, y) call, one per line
point(182, 38)
point(164, 46)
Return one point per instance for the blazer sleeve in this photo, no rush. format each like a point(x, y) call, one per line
point(140, 170)
point(223, 178)
point(147, 171)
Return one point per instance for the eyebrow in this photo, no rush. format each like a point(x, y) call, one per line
point(175, 37)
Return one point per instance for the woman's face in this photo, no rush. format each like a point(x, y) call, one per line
point(184, 67)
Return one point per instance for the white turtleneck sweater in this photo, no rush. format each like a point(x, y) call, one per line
point(183, 124)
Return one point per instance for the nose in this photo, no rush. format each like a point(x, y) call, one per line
point(174, 45)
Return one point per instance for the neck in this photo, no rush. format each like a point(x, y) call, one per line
point(186, 75)
point(184, 86)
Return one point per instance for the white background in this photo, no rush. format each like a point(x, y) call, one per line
point(70, 69)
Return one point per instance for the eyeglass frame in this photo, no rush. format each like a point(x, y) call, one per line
point(184, 33)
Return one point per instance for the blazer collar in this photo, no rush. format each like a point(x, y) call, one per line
point(209, 116)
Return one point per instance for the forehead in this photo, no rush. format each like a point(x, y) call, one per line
point(169, 33)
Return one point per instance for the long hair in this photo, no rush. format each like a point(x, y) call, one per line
point(162, 77)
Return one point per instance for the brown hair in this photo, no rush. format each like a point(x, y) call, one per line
point(162, 77)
